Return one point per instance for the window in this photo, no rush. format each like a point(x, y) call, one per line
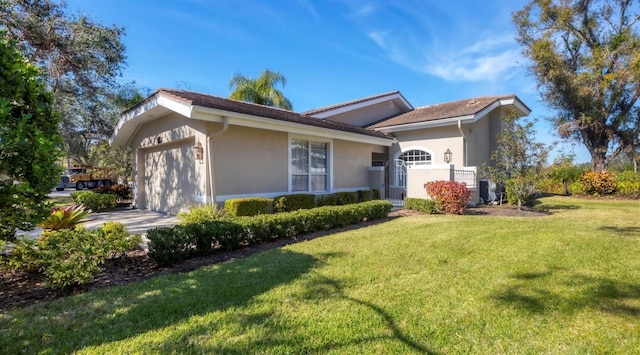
point(309, 165)
point(414, 157)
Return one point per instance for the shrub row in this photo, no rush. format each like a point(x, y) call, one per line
point(69, 257)
point(94, 201)
point(248, 206)
point(121, 191)
point(289, 203)
point(626, 184)
point(420, 204)
point(169, 245)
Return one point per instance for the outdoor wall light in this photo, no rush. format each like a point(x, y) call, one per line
point(447, 156)
point(198, 151)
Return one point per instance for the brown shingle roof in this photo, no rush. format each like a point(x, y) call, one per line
point(219, 103)
point(451, 109)
point(343, 104)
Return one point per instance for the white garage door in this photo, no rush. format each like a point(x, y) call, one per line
point(170, 182)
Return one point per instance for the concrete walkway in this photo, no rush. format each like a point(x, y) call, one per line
point(136, 221)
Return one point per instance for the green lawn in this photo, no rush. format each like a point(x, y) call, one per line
point(565, 283)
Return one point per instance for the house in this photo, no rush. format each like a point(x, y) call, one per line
point(191, 148)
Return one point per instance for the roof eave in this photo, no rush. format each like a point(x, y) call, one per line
point(247, 120)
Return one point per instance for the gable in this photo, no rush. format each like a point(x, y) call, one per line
point(363, 112)
point(450, 113)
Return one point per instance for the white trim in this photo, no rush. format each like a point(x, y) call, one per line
point(361, 104)
point(292, 136)
point(203, 199)
point(349, 189)
point(454, 120)
point(413, 147)
point(241, 119)
point(430, 167)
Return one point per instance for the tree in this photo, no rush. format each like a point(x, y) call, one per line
point(585, 56)
point(29, 143)
point(261, 91)
point(107, 160)
point(79, 61)
point(518, 161)
point(565, 171)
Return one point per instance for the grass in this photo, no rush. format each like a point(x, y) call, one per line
point(61, 201)
point(564, 283)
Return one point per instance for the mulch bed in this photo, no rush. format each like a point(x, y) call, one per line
point(19, 289)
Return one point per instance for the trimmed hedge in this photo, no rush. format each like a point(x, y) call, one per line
point(289, 203)
point(169, 245)
point(420, 204)
point(248, 206)
point(94, 201)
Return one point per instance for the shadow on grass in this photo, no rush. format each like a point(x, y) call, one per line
point(623, 231)
point(530, 292)
point(324, 287)
point(125, 312)
point(552, 208)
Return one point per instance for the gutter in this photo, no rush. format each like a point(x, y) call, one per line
point(225, 127)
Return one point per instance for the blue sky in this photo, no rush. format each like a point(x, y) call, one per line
point(330, 51)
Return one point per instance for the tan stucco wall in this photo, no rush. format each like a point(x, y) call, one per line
point(418, 177)
point(435, 140)
point(367, 115)
point(351, 164)
point(250, 161)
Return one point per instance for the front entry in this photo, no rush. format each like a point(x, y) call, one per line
point(395, 182)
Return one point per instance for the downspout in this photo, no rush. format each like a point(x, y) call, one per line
point(225, 126)
point(464, 143)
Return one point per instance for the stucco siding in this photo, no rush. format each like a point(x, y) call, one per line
point(250, 161)
point(168, 178)
point(368, 115)
point(351, 164)
point(435, 141)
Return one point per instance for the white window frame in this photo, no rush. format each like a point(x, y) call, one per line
point(396, 173)
point(329, 174)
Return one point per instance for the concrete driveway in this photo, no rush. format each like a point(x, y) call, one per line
point(136, 221)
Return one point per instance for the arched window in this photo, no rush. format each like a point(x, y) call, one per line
point(414, 157)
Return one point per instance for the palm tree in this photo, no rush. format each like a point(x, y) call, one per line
point(261, 91)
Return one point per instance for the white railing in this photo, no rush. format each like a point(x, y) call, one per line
point(466, 175)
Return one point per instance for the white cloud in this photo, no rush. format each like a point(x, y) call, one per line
point(475, 66)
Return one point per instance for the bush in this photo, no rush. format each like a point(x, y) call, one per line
point(170, 245)
point(250, 206)
point(65, 217)
point(288, 203)
point(365, 195)
point(628, 184)
point(69, 257)
point(328, 200)
point(121, 191)
point(201, 214)
point(420, 204)
point(450, 196)
point(602, 183)
point(347, 198)
point(93, 201)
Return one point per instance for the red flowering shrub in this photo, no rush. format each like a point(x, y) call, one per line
point(602, 183)
point(450, 196)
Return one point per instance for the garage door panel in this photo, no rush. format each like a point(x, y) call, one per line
point(170, 181)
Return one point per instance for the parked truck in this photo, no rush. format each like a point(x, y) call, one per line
point(80, 178)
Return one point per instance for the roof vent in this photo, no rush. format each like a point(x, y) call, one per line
point(473, 102)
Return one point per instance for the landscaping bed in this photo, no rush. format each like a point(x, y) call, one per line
point(21, 289)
